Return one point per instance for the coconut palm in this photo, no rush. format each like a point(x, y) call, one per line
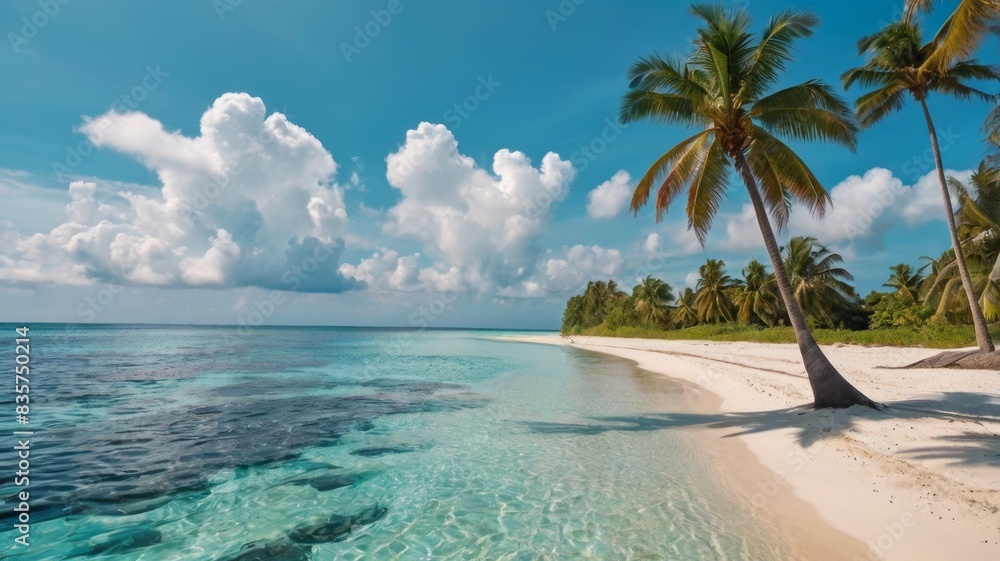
point(757, 297)
point(962, 33)
point(712, 300)
point(685, 314)
point(900, 64)
point(906, 281)
point(724, 87)
point(818, 282)
point(651, 297)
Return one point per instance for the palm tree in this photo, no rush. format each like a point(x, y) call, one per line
point(712, 301)
point(597, 299)
point(818, 282)
point(685, 314)
point(723, 87)
point(900, 63)
point(651, 297)
point(906, 282)
point(963, 31)
point(757, 297)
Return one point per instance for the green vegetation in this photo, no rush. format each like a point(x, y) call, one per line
point(935, 337)
point(911, 315)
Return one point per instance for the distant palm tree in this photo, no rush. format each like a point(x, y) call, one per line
point(901, 64)
point(962, 33)
point(651, 300)
point(712, 301)
point(906, 281)
point(724, 87)
point(757, 297)
point(819, 283)
point(685, 314)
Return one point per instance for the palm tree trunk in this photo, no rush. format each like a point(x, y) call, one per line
point(982, 332)
point(829, 388)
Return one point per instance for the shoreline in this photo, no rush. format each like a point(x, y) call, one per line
point(919, 481)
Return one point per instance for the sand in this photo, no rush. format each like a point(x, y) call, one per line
point(920, 480)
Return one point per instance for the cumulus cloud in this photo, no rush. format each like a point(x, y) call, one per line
point(652, 243)
point(863, 208)
point(480, 227)
point(568, 272)
point(610, 198)
point(385, 271)
point(250, 201)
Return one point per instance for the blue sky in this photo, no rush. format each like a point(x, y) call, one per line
point(464, 220)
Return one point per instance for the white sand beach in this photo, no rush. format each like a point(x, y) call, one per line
point(920, 480)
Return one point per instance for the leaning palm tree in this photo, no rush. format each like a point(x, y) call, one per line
point(651, 297)
point(756, 298)
point(712, 300)
point(898, 65)
point(724, 88)
point(685, 314)
point(962, 33)
point(906, 281)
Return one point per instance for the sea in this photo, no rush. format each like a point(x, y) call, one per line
point(153, 442)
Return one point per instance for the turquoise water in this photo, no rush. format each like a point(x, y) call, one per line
point(313, 443)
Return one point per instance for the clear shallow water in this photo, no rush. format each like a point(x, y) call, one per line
point(305, 443)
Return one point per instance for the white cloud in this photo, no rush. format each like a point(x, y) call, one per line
point(610, 198)
point(863, 208)
point(480, 228)
point(652, 243)
point(581, 264)
point(386, 270)
point(250, 201)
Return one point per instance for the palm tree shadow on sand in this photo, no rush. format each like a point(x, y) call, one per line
point(974, 448)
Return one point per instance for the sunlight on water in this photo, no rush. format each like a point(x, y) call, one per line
point(172, 443)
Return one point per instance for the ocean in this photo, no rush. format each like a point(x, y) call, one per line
point(187, 442)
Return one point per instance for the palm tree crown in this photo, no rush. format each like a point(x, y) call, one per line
point(897, 66)
point(962, 33)
point(819, 283)
point(651, 297)
point(712, 301)
point(724, 88)
point(906, 282)
point(685, 314)
point(757, 297)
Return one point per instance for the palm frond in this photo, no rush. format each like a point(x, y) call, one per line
point(708, 188)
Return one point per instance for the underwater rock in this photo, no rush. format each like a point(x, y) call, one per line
point(273, 551)
point(337, 527)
